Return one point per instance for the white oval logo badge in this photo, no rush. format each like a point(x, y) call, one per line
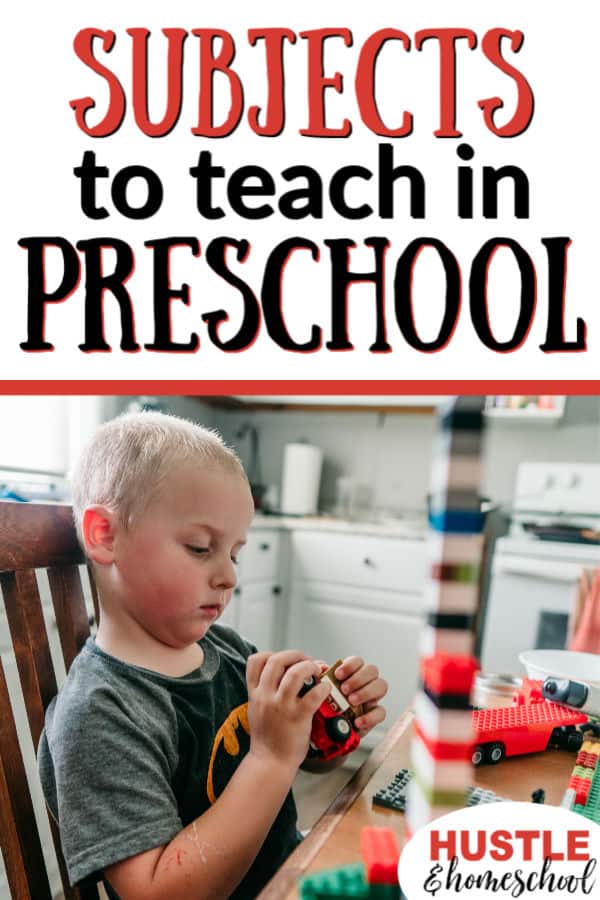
point(503, 850)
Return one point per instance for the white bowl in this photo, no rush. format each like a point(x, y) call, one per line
point(562, 664)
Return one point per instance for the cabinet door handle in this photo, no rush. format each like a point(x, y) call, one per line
point(265, 546)
point(369, 562)
point(237, 591)
point(276, 589)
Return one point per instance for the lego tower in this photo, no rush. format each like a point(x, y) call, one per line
point(442, 742)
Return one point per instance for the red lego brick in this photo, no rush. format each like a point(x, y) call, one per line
point(586, 759)
point(535, 714)
point(446, 750)
point(529, 692)
point(581, 786)
point(444, 673)
point(528, 728)
point(380, 854)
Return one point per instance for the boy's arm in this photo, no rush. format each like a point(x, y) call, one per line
point(210, 856)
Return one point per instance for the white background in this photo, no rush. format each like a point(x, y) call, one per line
point(558, 152)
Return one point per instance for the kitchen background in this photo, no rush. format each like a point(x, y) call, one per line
point(389, 452)
point(351, 579)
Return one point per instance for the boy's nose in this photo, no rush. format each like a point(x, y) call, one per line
point(224, 575)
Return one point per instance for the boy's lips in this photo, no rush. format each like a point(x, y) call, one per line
point(212, 609)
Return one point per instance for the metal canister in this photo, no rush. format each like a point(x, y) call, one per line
point(493, 689)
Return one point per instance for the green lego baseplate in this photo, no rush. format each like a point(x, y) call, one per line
point(347, 883)
point(591, 810)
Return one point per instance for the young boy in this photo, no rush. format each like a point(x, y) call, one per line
point(169, 754)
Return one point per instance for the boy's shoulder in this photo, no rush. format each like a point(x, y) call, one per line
point(98, 683)
point(99, 690)
point(100, 687)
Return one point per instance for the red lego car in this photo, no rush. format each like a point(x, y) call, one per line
point(333, 732)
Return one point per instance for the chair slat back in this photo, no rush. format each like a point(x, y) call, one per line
point(35, 536)
point(21, 847)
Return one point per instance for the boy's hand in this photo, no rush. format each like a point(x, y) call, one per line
point(361, 683)
point(280, 720)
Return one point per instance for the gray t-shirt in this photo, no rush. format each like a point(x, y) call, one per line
point(129, 757)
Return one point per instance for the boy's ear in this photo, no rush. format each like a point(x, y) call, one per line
point(98, 529)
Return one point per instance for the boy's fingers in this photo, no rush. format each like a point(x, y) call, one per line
point(348, 667)
point(254, 667)
point(296, 676)
point(313, 699)
point(368, 721)
point(360, 679)
point(374, 691)
point(276, 666)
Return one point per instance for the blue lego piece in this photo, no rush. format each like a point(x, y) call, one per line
point(458, 521)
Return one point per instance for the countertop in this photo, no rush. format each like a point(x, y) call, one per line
point(411, 527)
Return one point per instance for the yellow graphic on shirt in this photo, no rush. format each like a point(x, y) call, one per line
point(227, 736)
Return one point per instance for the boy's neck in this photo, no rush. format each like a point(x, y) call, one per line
point(131, 644)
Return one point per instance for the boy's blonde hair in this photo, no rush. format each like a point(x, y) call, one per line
point(128, 458)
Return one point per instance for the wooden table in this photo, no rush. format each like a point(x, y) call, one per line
point(334, 840)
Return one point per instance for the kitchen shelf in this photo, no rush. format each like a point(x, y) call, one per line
point(529, 414)
point(411, 405)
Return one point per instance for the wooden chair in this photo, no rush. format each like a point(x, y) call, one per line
point(35, 536)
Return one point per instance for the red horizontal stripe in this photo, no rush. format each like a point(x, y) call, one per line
point(291, 388)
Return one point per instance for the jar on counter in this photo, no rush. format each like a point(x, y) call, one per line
point(492, 690)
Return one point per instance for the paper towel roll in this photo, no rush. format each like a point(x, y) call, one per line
point(300, 481)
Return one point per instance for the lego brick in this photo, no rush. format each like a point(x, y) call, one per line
point(385, 892)
point(446, 640)
point(451, 597)
point(419, 812)
point(477, 796)
point(438, 774)
point(532, 715)
point(335, 884)
point(586, 759)
point(445, 725)
point(442, 797)
point(465, 414)
point(463, 572)
point(454, 548)
point(393, 794)
point(380, 854)
point(458, 521)
point(591, 809)
point(529, 692)
point(446, 674)
point(591, 745)
point(455, 473)
point(450, 621)
point(582, 787)
point(445, 751)
point(448, 701)
point(583, 772)
point(465, 443)
point(456, 498)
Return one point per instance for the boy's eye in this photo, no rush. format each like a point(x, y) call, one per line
point(198, 550)
point(234, 560)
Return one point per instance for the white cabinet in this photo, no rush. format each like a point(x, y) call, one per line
point(363, 595)
point(258, 613)
point(256, 607)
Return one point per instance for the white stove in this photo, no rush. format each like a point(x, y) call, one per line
point(554, 534)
